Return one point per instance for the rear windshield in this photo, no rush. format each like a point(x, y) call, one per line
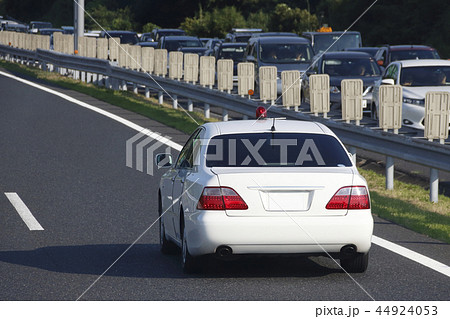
point(413, 55)
point(276, 150)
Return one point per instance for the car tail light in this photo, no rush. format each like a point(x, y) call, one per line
point(350, 197)
point(220, 198)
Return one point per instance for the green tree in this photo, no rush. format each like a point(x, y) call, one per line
point(287, 19)
point(120, 19)
point(214, 24)
point(148, 27)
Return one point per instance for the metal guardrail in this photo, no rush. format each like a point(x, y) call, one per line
point(419, 151)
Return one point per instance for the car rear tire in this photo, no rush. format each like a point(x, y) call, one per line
point(189, 263)
point(356, 264)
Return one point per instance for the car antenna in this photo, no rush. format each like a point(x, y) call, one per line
point(273, 125)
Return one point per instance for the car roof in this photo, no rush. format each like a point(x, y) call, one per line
point(410, 47)
point(233, 44)
point(119, 32)
point(332, 32)
point(179, 37)
point(265, 125)
point(347, 54)
point(423, 62)
point(282, 39)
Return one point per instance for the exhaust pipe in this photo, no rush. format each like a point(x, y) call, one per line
point(348, 251)
point(224, 251)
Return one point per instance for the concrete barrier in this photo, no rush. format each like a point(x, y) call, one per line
point(290, 83)
point(390, 108)
point(352, 100)
point(268, 83)
point(437, 109)
point(319, 90)
point(225, 75)
point(207, 71)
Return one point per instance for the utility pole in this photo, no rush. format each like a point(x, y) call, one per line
point(78, 22)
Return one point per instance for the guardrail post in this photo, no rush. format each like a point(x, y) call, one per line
point(225, 115)
point(175, 101)
point(434, 185)
point(207, 110)
point(190, 105)
point(124, 85)
point(147, 92)
point(160, 98)
point(135, 88)
point(389, 172)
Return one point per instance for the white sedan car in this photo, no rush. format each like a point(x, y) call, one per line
point(417, 77)
point(268, 186)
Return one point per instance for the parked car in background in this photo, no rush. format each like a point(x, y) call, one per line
point(126, 37)
point(286, 53)
point(371, 50)
point(176, 43)
point(391, 53)
point(158, 33)
point(240, 34)
point(68, 29)
point(274, 34)
point(50, 32)
point(417, 77)
point(234, 51)
point(219, 198)
point(146, 37)
point(333, 41)
point(35, 26)
point(211, 45)
point(346, 65)
point(151, 44)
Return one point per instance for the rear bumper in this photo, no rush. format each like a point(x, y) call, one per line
point(207, 230)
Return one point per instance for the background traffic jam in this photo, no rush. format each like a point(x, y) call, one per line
point(272, 186)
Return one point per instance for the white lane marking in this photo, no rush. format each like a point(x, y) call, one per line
point(428, 262)
point(410, 254)
point(130, 124)
point(24, 212)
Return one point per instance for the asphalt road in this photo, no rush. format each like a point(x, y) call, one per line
point(68, 165)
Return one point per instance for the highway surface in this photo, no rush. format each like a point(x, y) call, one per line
point(67, 164)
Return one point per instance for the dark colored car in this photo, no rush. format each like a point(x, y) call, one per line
point(234, 51)
point(175, 43)
point(371, 50)
point(211, 46)
point(126, 37)
point(157, 34)
point(240, 35)
point(151, 44)
point(346, 65)
point(286, 53)
point(35, 26)
point(274, 34)
point(146, 37)
point(68, 30)
point(333, 41)
point(391, 53)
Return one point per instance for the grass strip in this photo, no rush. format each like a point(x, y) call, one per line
point(407, 205)
point(148, 107)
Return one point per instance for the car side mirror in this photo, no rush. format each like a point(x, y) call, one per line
point(163, 160)
point(251, 58)
point(388, 81)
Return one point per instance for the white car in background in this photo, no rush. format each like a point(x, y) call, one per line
point(417, 77)
point(267, 186)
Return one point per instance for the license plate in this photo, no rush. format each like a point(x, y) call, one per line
point(285, 201)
